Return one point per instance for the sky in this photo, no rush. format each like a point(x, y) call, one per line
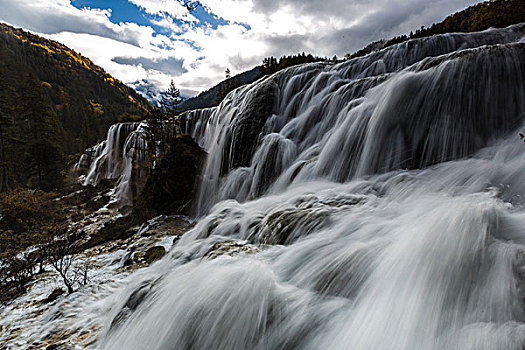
point(147, 43)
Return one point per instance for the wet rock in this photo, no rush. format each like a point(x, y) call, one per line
point(128, 260)
point(248, 126)
point(230, 248)
point(138, 256)
point(97, 203)
point(310, 214)
point(154, 254)
point(54, 295)
point(119, 229)
point(135, 299)
point(149, 228)
point(284, 226)
point(171, 186)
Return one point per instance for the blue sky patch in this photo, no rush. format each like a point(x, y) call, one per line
point(125, 11)
point(121, 10)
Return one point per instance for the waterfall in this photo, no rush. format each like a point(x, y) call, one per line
point(120, 158)
point(411, 105)
point(380, 202)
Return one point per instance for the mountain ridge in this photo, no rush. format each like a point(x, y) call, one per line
point(480, 16)
point(52, 95)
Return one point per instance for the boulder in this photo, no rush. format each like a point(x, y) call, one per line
point(154, 254)
point(230, 248)
point(54, 295)
point(171, 187)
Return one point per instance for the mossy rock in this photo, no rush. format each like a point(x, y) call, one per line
point(111, 231)
point(154, 254)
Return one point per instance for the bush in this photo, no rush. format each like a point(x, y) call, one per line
point(29, 224)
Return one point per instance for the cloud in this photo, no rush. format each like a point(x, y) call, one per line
point(147, 89)
point(195, 49)
point(54, 16)
point(170, 65)
point(330, 27)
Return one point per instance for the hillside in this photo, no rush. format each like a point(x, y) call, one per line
point(496, 13)
point(484, 15)
point(53, 95)
point(214, 95)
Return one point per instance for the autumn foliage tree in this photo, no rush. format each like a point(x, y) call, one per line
point(34, 230)
point(25, 218)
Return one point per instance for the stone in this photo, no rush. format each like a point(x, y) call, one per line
point(230, 248)
point(154, 254)
point(172, 185)
point(54, 295)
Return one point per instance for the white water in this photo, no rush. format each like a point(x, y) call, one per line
point(408, 106)
point(386, 194)
point(124, 157)
point(121, 157)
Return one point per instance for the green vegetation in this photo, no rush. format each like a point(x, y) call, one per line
point(171, 186)
point(154, 253)
point(494, 13)
point(162, 123)
point(272, 65)
point(28, 219)
point(34, 230)
point(53, 103)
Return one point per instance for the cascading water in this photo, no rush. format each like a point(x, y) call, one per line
point(380, 202)
point(123, 157)
point(408, 106)
point(109, 162)
point(119, 158)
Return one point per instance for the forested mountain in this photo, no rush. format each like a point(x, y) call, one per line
point(53, 102)
point(214, 95)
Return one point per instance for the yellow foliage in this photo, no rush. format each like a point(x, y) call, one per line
point(97, 107)
point(47, 48)
point(47, 85)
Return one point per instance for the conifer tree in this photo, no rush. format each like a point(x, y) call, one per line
point(44, 158)
point(169, 104)
point(5, 123)
point(170, 100)
point(155, 133)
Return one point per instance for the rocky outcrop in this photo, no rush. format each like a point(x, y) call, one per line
point(230, 248)
point(171, 187)
point(154, 253)
point(246, 128)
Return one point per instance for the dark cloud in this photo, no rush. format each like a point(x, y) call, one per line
point(367, 21)
point(171, 65)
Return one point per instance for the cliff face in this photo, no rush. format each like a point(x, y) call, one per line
point(172, 185)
